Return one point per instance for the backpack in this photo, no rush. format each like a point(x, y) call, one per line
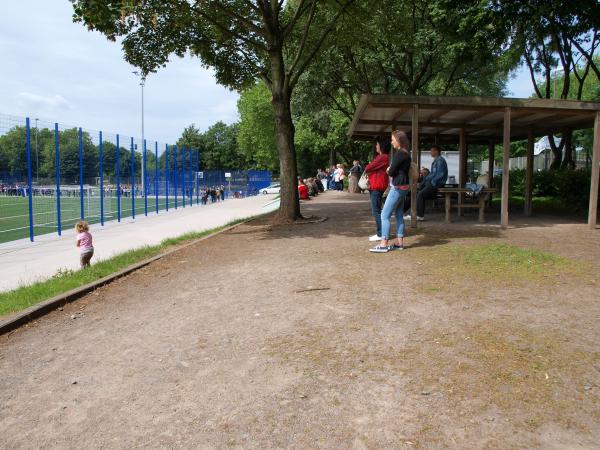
point(413, 172)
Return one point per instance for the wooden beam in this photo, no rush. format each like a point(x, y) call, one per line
point(528, 207)
point(505, 169)
point(476, 115)
point(491, 154)
point(437, 114)
point(462, 166)
point(595, 183)
point(393, 121)
point(415, 157)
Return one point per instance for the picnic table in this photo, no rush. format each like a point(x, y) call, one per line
point(448, 192)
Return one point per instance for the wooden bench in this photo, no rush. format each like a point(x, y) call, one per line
point(459, 192)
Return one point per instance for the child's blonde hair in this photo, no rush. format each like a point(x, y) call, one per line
point(82, 226)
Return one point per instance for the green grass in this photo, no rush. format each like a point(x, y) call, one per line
point(505, 263)
point(65, 280)
point(508, 258)
point(14, 213)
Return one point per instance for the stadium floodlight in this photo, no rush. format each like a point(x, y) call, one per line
point(142, 84)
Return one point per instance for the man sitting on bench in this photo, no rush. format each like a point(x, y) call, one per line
point(436, 178)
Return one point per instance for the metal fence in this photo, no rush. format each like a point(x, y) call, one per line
point(51, 176)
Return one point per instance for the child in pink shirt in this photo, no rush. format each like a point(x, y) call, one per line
point(84, 242)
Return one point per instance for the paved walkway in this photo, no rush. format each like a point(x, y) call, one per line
point(23, 262)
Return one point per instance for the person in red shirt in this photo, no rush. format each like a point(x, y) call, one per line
point(302, 190)
point(378, 181)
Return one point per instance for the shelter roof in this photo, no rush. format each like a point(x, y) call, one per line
point(481, 117)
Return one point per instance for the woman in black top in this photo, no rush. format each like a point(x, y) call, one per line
point(399, 188)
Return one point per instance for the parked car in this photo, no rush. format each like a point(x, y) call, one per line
point(272, 189)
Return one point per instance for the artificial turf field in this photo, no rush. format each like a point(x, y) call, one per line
point(14, 212)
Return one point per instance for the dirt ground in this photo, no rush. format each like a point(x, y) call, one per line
point(298, 337)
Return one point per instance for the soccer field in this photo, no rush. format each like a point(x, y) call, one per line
point(14, 212)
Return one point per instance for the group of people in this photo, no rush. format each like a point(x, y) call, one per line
point(333, 178)
point(13, 190)
point(214, 193)
point(389, 188)
point(310, 187)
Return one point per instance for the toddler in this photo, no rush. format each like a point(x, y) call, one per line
point(84, 242)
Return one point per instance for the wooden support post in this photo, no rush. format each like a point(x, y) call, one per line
point(491, 151)
point(528, 207)
point(462, 164)
point(491, 155)
point(593, 209)
point(415, 157)
point(505, 169)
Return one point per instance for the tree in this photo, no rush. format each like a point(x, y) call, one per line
point(241, 39)
point(257, 137)
point(417, 47)
point(218, 146)
point(548, 34)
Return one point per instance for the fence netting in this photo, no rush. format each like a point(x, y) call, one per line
point(52, 175)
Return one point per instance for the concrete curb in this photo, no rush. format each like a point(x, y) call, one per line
point(33, 312)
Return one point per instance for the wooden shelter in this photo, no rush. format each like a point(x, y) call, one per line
point(480, 120)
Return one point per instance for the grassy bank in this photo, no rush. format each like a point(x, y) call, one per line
point(65, 280)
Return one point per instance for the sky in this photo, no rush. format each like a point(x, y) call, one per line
point(56, 70)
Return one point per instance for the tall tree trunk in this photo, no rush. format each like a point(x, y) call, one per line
point(556, 152)
point(289, 209)
point(568, 162)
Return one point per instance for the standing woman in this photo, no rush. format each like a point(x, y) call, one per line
point(399, 188)
point(354, 175)
point(378, 181)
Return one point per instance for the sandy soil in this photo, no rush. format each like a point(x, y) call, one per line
point(297, 337)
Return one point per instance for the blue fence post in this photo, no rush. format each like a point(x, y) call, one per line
point(183, 198)
point(191, 179)
point(167, 176)
point(197, 170)
point(29, 187)
point(57, 164)
point(132, 180)
point(81, 212)
point(175, 175)
point(145, 181)
point(156, 174)
point(101, 179)
point(118, 181)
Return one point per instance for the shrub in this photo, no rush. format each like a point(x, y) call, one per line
point(571, 187)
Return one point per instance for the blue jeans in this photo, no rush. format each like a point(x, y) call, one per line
point(394, 203)
point(376, 197)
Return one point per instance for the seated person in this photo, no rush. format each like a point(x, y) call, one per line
point(302, 190)
point(436, 178)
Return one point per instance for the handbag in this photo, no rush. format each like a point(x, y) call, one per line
point(363, 183)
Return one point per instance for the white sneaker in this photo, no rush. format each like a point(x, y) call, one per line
point(407, 217)
point(420, 219)
point(374, 238)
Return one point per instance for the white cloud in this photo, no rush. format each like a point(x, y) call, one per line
point(55, 69)
point(42, 104)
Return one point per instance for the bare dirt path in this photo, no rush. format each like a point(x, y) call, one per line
point(296, 336)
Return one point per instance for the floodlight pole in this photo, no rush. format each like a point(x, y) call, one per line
point(142, 84)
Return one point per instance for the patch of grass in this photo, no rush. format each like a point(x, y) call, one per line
point(499, 263)
point(533, 376)
point(64, 280)
point(508, 258)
